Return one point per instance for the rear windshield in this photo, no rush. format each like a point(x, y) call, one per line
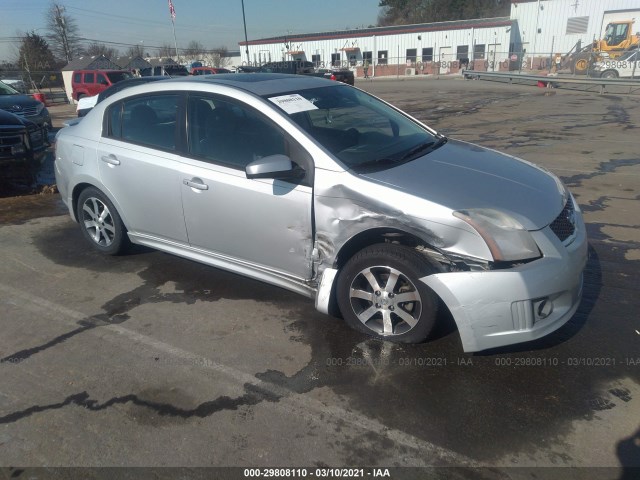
point(116, 77)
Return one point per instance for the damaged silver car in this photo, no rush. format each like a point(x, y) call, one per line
point(323, 189)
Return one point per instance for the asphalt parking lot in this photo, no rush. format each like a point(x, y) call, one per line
point(152, 360)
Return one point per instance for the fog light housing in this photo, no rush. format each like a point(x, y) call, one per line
point(17, 149)
point(542, 308)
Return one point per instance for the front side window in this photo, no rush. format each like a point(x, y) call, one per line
point(358, 129)
point(148, 120)
point(223, 131)
point(102, 79)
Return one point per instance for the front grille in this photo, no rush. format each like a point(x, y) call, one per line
point(24, 111)
point(564, 224)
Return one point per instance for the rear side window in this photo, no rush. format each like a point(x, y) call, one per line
point(77, 77)
point(148, 120)
point(89, 78)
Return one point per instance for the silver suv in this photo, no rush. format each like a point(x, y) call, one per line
point(323, 189)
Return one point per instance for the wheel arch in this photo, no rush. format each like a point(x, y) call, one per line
point(376, 235)
point(83, 185)
point(326, 299)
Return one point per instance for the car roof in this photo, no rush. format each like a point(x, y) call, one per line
point(259, 83)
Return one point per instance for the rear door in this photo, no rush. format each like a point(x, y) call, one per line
point(265, 223)
point(139, 165)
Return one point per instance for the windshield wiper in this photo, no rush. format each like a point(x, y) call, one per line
point(424, 148)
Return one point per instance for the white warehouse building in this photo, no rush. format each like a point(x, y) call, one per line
point(529, 37)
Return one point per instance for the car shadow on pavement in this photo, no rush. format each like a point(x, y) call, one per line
point(628, 452)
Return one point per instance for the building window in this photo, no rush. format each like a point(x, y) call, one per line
point(367, 57)
point(412, 53)
point(335, 59)
point(383, 57)
point(316, 60)
point(427, 54)
point(479, 51)
point(462, 52)
point(352, 59)
point(577, 25)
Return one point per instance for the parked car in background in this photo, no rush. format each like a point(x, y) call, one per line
point(24, 106)
point(85, 104)
point(625, 66)
point(323, 189)
point(87, 83)
point(23, 145)
point(208, 70)
point(16, 83)
point(169, 70)
point(299, 67)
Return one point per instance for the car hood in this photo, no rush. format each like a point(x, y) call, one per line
point(9, 119)
point(461, 175)
point(11, 100)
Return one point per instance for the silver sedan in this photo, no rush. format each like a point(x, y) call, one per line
point(323, 189)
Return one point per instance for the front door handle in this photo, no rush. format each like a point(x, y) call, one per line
point(110, 159)
point(196, 183)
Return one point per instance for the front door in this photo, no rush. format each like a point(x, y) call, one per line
point(446, 57)
point(262, 223)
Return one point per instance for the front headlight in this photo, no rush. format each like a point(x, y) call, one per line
point(506, 238)
point(39, 108)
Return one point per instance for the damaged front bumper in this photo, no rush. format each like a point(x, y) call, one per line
point(503, 307)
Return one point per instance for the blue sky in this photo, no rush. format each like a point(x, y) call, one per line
point(211, 22)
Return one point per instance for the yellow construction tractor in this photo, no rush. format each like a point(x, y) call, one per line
point(619, 37)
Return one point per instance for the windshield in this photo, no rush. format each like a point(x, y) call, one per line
point(360, 130)
point(116, 77)
point(7, 90)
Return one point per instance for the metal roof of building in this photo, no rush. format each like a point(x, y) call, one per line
point(390, 30)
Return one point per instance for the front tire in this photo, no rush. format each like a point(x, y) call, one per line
point(379, 293)
point(609, 74)
point(100, 222)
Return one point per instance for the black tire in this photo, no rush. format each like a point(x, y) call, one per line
point(382, 313)
point(581, 64)
point(609, 74)
point(100, 222)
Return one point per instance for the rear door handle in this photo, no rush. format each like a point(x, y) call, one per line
point(196, 183)
point(110, 159)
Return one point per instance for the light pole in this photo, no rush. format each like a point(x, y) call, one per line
point(246, 41)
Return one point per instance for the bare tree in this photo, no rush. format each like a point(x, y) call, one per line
point(135, 51)
point(95, 49)
point(62, 32)
point(221, 59)
point(166, 50)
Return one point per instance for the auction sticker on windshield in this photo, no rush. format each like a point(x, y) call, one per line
point(293, 103)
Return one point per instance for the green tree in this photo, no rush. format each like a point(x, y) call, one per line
point(401, 12)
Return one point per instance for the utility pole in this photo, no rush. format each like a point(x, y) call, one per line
point(246, 41)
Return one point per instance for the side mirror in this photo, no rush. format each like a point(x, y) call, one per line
point(273, 166)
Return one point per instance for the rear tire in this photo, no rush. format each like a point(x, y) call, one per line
point(100, 222)
point(379, 293)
